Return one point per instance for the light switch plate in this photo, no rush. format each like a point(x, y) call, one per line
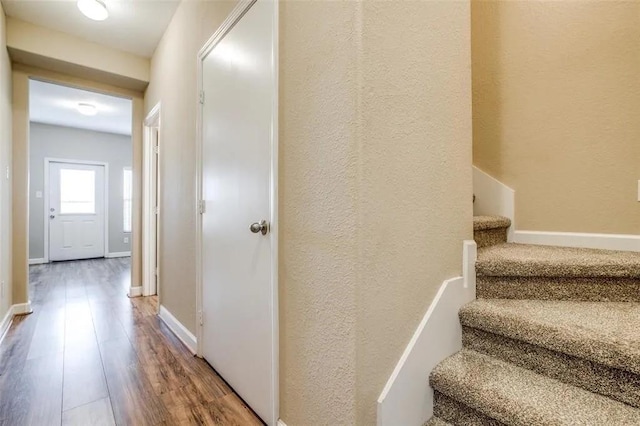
point(38, 194)
point(126, 240)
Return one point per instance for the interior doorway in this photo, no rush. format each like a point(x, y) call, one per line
point(80, 174)
point(151, 204)
point(75, 207)
point(237, 225)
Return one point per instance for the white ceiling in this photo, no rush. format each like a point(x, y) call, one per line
point(134, 26)
point(55, 104)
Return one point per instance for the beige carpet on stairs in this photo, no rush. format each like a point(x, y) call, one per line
point(553, 338)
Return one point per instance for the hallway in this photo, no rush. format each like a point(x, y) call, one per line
point(88, 355)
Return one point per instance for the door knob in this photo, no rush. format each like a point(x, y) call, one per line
point(262, 227)
point(51, 216)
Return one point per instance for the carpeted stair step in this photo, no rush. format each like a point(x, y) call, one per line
point(593, 345)
point(522, 271)
point(490, 230)
point(435, 421)
point(475, 389)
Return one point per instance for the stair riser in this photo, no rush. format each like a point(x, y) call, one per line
point(490, 237)
point(459, 414)
point(621, 385)
point(550, 288)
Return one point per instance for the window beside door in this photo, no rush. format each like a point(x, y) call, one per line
point(127, 198)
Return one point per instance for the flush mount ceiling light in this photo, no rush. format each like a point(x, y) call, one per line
point(93, 9)
point(87, 109)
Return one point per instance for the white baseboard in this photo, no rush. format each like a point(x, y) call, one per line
point(37, 261)
point(581, 240)
point(135, 291)
point(22, 308)
point(6, 323)
point(118, 254)
point(179, 330)
point(17, 309)
point(493, 198)
point(407, 398)
point(281, 423)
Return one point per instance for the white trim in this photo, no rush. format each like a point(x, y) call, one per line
point(281, 423)
point(151, 200)
point(118, 254)
point(17, 309)
point(47, 163)
point(494, 198)
point(22, 308)
point(178, 329)
point(6, 323)
point(275, 243)
point(580, 240)
point(407, 398)
point(135, 291)
point(241, 8)
point(39, 261)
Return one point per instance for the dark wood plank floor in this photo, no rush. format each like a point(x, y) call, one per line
point(88, 355)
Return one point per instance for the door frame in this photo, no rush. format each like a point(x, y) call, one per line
point(47, 163)
point(236, 14)
point(150, 201)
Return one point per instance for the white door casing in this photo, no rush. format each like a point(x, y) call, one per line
point(151, 203)
point(75, 210)
point(237, 275)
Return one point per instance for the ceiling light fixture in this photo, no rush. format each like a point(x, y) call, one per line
point(87, 109)
point(93, 9)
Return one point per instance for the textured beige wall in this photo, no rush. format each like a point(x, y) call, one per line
point(415, 174)
point(38, 46)
point(173, 82)
point(20, 107)
point(556, 101)
point(5, 161)
point(319, 211)
point(375, 185)
point(20, 188)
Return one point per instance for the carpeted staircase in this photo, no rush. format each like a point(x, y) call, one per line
point(553, 338)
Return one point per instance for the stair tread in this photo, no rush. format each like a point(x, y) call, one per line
point(604, 332)
point(481, 223)
point(514, 395)
point(437, 421)
point(527, 260)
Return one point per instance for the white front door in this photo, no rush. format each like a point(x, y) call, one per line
point(76, 211)
point(238, 133)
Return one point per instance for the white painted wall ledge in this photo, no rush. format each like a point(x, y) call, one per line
point(407, 398)
point(493, 198)
point(135, 291)
point(118, 254)
point(17, 309)
point(580, 240)
point(179, 330)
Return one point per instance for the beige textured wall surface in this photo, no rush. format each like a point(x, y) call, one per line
point(556, 101)
point(415, 178)
point(319, 202)
point(5, 161)
point(39, 46)
point(20, 188)
point(374, 181)
point(173, 82)
point(20, 109)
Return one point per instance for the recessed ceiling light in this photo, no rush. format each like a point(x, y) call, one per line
point(93, 9)
point(86, 109)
